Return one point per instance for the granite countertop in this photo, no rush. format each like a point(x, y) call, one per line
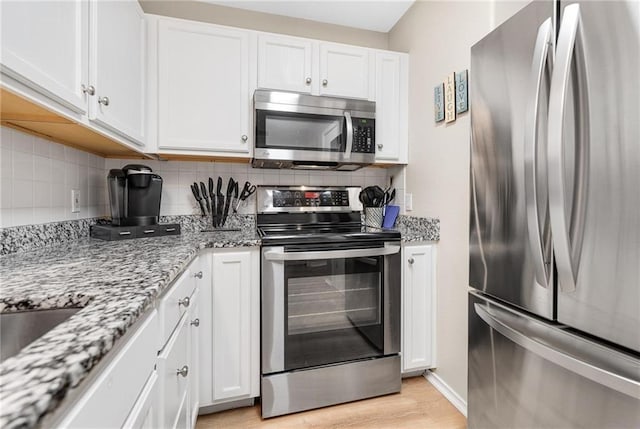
point(115, 283)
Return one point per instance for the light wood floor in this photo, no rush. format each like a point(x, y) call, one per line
point(419, 405)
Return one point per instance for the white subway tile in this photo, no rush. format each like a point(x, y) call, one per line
point(42, 168)
point(22, 216)
point(57, 171)
point(6, 193)
point(6, 162)
point(22, 142)
point(6, 217)
point(56, 151)
point(22, 165)
point(6, 138)
point(41, 147)
point(58, 195)
point(22, 193)
point(42, 215)
point(42, 194)
point(71, 155)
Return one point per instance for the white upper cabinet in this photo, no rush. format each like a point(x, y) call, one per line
point(391, 106)
point(285, 63)
point(204, 94)
point(45, 46)
point(118, 72)
point(344, 71)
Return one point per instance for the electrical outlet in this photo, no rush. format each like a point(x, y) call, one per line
point(75, 201)
point(408, 202)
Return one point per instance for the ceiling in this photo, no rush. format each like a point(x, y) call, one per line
point(375, 15)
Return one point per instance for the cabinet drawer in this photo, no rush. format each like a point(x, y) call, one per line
point(110, 399)
point(174, 385)
point(175, 303)
point(143, 413)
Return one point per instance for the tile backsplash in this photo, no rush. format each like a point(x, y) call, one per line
point(37, 176)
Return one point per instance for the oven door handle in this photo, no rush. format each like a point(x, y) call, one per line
point(275, 255)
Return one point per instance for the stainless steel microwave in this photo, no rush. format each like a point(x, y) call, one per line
point(303, 131)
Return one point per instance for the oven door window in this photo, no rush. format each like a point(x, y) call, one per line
point(334, 311)
point(299, 131)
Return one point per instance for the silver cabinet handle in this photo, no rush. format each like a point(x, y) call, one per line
point(567, 236)
point(542, 56)
point(184, 371)
point(244, 138)
point(380, 146)
point(104, 101)
point(195, 322)
point(185, 301)
point(89, 90)
point(198, 275)
point(325, 82)
point(278, 255)
point(308, 80)
point(411, 261)
point(563, 349)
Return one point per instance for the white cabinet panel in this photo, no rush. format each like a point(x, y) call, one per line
point(205, 330)
point(118, 67)
point(45, 45)
point(194, 358)
point(391, 106)
point(204, 98)
point(236, 325)
point(144, 412)
point(173, 412)
point(418, 324)
point(344, 71)
point(285, 63)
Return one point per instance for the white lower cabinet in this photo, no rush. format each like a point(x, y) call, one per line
point(418, 307)
point(230, 338)
point(144, 413)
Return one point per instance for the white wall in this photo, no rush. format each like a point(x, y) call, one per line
point(36, 178)
point(438, 37)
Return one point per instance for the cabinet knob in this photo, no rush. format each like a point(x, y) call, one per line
point(104, 101)
point(244, 138)
point(184, 371)
point(380, 146)
point(325, 82)
point(411, 261)
point(185, 301)
point(89, 90)
point(198, 275)
point(308, 80)
point(195, 322)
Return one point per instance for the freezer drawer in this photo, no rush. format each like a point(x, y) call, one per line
point(525, 373)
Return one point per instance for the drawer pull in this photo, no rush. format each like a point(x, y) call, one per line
point(149, 231)
point(195, 322)
point(198, 275)
point(125, 233)
point(185, 301)
point(184, 371)
point(170, 229)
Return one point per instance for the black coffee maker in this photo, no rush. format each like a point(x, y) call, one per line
point(134, 195)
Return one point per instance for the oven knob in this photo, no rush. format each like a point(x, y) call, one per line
point(297, 203)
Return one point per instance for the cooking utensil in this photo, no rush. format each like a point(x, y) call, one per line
point(247, 191)
point(203, 190)
point(196, 194)
point(230, 187)
point(214, 202)
point(389, 196)
point(220, 198)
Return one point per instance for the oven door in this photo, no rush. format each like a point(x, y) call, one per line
point(326, 304)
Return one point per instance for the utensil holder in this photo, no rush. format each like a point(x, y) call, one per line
point(373, 216)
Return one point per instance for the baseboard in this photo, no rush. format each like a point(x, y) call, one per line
point(455, 399)
point(226, 406)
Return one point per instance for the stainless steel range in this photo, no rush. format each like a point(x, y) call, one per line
point(330, 300)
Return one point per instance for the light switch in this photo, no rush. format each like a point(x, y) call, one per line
point(408, 201)
point(75, 201)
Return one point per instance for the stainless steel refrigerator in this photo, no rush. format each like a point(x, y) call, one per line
point(554, 264)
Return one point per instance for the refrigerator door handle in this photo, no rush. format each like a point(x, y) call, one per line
point(534, 341)
point(543, 60)
point(568, 233)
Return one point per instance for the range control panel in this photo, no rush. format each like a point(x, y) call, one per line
point(278, 199)
point(310, 198)
point(364, 135)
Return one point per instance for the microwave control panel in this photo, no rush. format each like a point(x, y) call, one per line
point(311, 198)
point(364, 135)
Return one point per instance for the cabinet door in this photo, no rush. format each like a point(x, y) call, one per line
point(194, 358)
point(173, 409)
point(144, 412)
point(285, 63)
point(391, 106)
point(344, 71)
point(418, 333)
point(231, 325)
point(118, 69)
point(203, 87)
point(45, 45)
point(205, 333)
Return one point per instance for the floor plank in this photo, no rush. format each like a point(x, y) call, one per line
point(419, 405)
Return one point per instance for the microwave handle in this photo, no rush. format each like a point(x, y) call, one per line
point(349, 122)
point(275, 255)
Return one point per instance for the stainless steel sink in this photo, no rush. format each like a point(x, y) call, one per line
point(19, 329)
